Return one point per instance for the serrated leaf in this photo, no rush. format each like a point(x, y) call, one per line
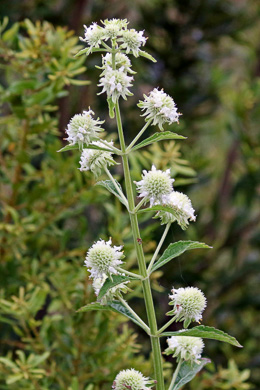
point(117, 279)
point(109, 185)
point(114, 306)
point(146, 55)
point(74, 147)
point(176, 249)
point(187, 372)
point(158, 137)
point(206, 332)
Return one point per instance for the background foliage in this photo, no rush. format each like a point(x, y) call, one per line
point(208, 60)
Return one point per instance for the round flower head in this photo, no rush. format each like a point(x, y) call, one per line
point(83, 129)
point(132, 40)
point(131, 380)
point(155, 185)
point(94, 159)
point(113, 27)
point(121, 61)
point(182, 210)
point(160, 108)
point(189, 303)
point(115, 83)
point(94, 35)
point(102, 259)
point(185, 347)
point(112, 292)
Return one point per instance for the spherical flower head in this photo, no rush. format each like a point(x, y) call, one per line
point(155, 185)
point(188, 304)
point(121, 61)
point(131, 380)
point(112, 292)
point(185, 347)
point(94, 35)
point(115, 83)
point(182, 210)
point(113, 27)
point(83, 128)
point(132, 40)
point(102, 258)
point(94, 159)
point(160, 108)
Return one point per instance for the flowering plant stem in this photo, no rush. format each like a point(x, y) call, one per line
point(175, 374)
point(158, 247)
point(155, 342)
point(128, 149)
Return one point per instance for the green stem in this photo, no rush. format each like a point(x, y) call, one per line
point(136, 316)
point(116, 186)
point(109, 146)
point(175, 375)
point(166, 325)
point(138, 136)
point(136, 276)
point(155, 341)
point(158, 247)
point(140, 204)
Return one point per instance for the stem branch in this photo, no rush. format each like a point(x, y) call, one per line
point(138, 136)
point(175, 375)
point(158, 247)
point(136, 316)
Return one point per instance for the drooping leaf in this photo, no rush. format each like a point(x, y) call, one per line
point(206, 332)
point(111, 106)
point(114, 306)
point(95, 306)
point(187, 373)
point(117, 279)
point(74, 147)
point(158, 137)
point(117, 306)
point(176, 249)
point(109, 185)
point(147, 55)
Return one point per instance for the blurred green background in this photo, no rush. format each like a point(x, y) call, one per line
point(208, 59)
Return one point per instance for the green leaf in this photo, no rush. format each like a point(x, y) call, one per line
point(117, 279)
point(111, 106)
point(119, 308)
point(206, 332)
point(74, 147)
point(187, 372)
point(114, 306)
point(176, 249)
point(109, 185)
point(7, 362)
point(83, 51)
point(18, 87)
point(95, 306)
point(146, 55)
point(158, 137)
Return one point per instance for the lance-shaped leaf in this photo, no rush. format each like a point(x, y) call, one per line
point(109, 283)
point(111, 106)
point(114, 306)
point(90, 146)
point(147, 55)
point(206, 332)
point(89, 50)
point(187, 373)
point(109, 185)
point(176, 249)
point(158, 137)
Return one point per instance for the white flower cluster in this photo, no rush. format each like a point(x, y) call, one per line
point(155, 185)
point(160, 108)
point(83, 128)
point(112, 292)
point(96, 159)
point(121, 62)
point(185, 347)
point(131, 380)
point(102, 259)
point(189, 304)
point(116, 30)
point(115, 83)
point(182, 210)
